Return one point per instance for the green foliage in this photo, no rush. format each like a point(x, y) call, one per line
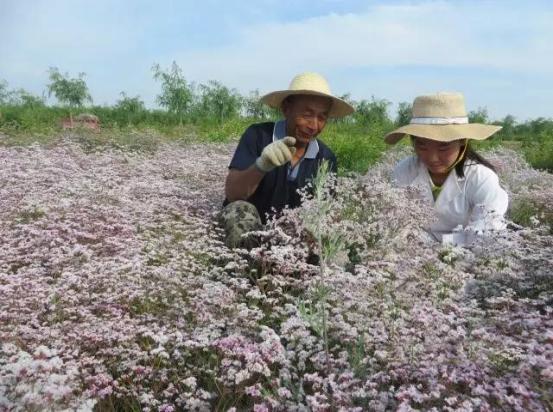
point(536, 127)
point(528, 212)
point(372, 112)
point(403, 114)
point(141, 305)
point(540, 157)
point(35, 119)
point(255, 109)
point(508, 127)
point(4, 93)
point(176, 94)
point(128, 140)
point(119, 116)
point(539, 153)
point(70, 91)
point(329, 246)
point(229, 130)
point(357, 354)
point(133, 107)
point(348, 119)
point(30, 215)
point(356, 147)
point(533, 138)
point(479, 115)
point(27, 100)
point(312, 314)
point(217, 102)
point(359, 142)
point(212, 112)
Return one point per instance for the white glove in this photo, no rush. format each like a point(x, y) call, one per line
point(276, 154)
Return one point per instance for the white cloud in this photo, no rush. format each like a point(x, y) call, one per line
point(437, 34)
point(496, 46)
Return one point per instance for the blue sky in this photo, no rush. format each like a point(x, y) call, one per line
point(498, 53)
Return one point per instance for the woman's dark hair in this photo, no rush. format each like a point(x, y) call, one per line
point(471, 155)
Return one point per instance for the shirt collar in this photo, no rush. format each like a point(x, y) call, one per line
point(452, 178)
point(279, 132)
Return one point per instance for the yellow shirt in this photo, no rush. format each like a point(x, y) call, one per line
point(435, 190)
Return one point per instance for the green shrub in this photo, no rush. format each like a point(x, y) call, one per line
point(229, 130)
point(356, 147)
point(528, 212)
point(217, 114)
point(539, 151)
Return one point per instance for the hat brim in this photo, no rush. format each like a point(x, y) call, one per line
point(443, 133)
point(339, 108)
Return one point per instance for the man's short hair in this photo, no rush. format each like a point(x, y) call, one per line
point(291, 98)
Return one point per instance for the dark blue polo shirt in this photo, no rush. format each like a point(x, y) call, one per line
point(278, 188)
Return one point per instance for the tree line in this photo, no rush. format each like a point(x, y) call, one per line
point(185, 102)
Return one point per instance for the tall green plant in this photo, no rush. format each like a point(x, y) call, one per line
point(403, 114)
point(328, 243)
point(346, 119)
point(479, 115)
point(27, 100)
point(374, 111)
point(219, 102)
point(72, 92)
point(4, 92)
point(253, 107)
point(176, 94)
point(130, 106)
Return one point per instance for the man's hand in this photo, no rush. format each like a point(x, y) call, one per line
point(276, 154)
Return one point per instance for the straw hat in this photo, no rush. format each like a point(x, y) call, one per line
point(312, 84)
point(441, 117)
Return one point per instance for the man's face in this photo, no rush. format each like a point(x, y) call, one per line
point(306, 117)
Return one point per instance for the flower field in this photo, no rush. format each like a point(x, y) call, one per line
point(117, 292)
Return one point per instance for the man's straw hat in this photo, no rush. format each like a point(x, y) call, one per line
point(312, 84)
point(441, 117)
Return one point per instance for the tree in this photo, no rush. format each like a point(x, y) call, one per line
point(131, 106)
point(508, 124)
point(253, 107)
point(4, 93)
point(176, 94)
point(219, 101)
point(23, 98)
point(346, 119)
point(404, 114)
point(374, 111)
point(72, 92)
point(539, 125)
point(478, 116)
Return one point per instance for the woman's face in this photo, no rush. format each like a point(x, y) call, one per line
point(437, 156)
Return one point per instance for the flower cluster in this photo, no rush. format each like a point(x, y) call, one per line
point(119, 294)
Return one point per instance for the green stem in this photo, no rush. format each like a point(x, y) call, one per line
point(323, 304)
point(325, 337)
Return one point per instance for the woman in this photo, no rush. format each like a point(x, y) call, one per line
point(461, 185)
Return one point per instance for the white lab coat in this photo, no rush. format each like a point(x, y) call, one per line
point(475, 201)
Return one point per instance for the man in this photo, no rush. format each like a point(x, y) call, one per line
point(275, 159)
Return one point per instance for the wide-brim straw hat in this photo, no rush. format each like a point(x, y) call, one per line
point(441, 117)
point(311, 84)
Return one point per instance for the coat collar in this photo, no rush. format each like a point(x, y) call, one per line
point(452, 186)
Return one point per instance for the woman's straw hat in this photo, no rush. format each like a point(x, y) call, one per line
point(312, 84)
point(441, 117)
